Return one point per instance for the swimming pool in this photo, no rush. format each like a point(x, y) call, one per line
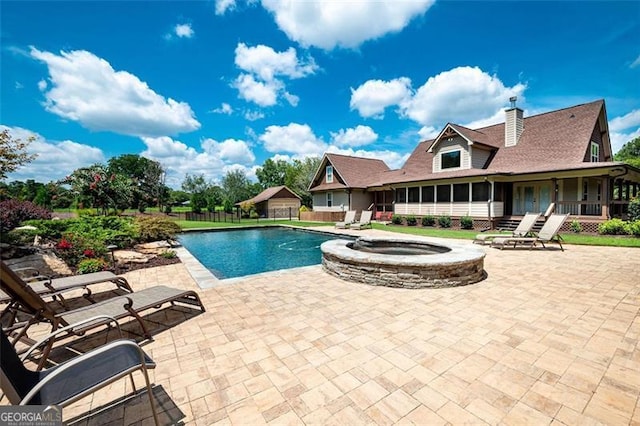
point(235, 253)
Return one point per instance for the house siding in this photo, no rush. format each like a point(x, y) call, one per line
point(596, 136)
point(339, 198)
point(479, 157)
point(446, 146)
point(360, 200)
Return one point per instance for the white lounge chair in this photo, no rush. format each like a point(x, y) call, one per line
point(349, 218)
point(524, 229)
point(365, 220)
point(548, 234)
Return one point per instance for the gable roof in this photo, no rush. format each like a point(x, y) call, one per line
point(555, 140)
point(355, 172)
point(271, 192)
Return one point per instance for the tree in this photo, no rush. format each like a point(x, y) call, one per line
point(237, 186)
point(272, 173)
point(105, 190)
point(13, 153)
point(299, 176)
point(194, 183)
point(630, 153)
point(146, 175)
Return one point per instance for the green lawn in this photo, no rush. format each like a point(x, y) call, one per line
point(187, 224)
point(569, 238)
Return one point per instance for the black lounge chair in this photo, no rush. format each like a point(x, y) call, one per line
point(28, 308)
point(74, 379)
point(56, 287)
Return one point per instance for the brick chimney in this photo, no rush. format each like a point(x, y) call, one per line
point(513, 124)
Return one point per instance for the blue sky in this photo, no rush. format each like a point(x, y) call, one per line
point(212, 86)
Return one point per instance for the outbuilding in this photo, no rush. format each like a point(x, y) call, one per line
point(277, 202)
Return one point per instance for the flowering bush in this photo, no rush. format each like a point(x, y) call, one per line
point(14, 212)
point(74, 248)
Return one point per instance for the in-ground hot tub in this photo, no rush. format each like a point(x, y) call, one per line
point(403, 262)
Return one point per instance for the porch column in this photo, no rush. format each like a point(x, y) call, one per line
point(604, 200)
point(626, 189)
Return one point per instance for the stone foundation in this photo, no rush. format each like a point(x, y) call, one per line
point(462, 265)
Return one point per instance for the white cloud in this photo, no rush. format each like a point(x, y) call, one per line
point(393, 159)
point(213, 159)
point(266, 63)
point(357, 136)
point(86, 89)
point(223, 5)
point(258, 92)
point(462, 94)
point(335, 23)
point(19, 85)
point(630, 119)
point(230, 150)
point(294, 138)
point(184, 30)
point(635, 63)
point(225, 108)
point(253, 115)
point(42, 85)
point(498, 117)
point(372, 97)
point(264, 70)
point(624, 128)
point(428, 132)
point(55, 159)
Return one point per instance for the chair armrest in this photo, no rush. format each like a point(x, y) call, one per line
point(67, 328)
point(92, 354)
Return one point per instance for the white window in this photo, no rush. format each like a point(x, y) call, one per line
point(450, 160)
point(329, 198)
point(595, 152)
point(329, 174)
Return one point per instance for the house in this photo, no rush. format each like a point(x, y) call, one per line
point(490, 173)
point(275, 202)
point(341, 182)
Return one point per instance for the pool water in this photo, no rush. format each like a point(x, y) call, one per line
point(230, 254)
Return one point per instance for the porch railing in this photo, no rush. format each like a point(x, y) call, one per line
point(579, 208)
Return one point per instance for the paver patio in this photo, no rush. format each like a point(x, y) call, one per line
point(549, 337)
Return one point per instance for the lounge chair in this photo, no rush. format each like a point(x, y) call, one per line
point(58, 286)
point(68, 382)
point(365, 220)
point(349, 218)
point(524, 229)
point(548, 234)
point(26, 302)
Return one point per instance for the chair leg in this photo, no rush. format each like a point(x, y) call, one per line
point(150, 393)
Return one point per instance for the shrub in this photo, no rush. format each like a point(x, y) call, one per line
point(633, 228)
point(198, 202)
point(154, 228)
point(74, 248)
point(444, 221)
point(254, 214)
point(167, 209)
point(612, 227)
point(87, 266)
point(411, 220)
point(428, 220)
point(634, 209)
point(466, 222)
point(576, 227)
point(227, 205)
point(14, 212)
point(304, 209)
point(169, 254)
point(396, 219)
point(142, 207)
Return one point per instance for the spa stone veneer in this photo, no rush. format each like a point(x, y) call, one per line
point(460, 265)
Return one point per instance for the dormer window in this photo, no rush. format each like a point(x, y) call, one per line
point(450, 160)
point(329, 174)
point(595, 152)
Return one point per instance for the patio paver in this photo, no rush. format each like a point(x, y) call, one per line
point(548, 337)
